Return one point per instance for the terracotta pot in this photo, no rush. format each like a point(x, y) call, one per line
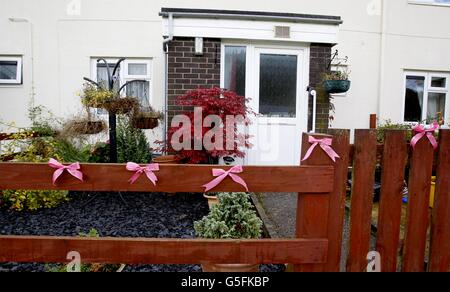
point(230, 268)
point(166, 159)
point(145, 123)
point(212, 200)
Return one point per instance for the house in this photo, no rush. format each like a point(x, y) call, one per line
point(271, 51)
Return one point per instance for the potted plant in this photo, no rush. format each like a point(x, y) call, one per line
point(336, 82)
point(233, 218)
point(212, 199)
point(98, 97)
point(147, 118)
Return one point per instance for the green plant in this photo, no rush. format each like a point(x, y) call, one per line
point(132, 145)
point(23, 200)
point(336, 75)
point(389, 125)
point(43, 122)
point(96, 97)
point(98, 153)
point(232, 218)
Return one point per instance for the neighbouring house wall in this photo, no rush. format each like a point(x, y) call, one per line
point(188, 71)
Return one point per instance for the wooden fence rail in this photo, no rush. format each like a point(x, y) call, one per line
point(321, 187)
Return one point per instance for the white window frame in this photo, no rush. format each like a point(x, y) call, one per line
point(427, 90)
point(124, 76)
point(18, 79)
point(421, 2)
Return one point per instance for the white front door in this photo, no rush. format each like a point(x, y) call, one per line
point(280, 100)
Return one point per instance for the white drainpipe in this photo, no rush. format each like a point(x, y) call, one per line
point(314, 95)
point(166, 79)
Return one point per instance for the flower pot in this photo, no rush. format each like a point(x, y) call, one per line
point(230, 268)
point(145, 123)
point(212, 200)
point(336, 86)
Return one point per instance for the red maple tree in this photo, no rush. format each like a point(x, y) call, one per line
point(222, 103)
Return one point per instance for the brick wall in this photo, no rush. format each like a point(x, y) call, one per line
point(320, 55)
point(188, 71)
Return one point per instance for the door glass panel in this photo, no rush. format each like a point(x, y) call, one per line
point(235, 66)
point(436, 106)
point(414, 98)
point(278, 85)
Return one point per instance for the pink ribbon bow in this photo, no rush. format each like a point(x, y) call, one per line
point(325, 144)
point(148, 170)
point(73, 169)
point(221, 174)
point(422, 131)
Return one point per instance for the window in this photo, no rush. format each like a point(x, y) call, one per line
point(130, 69)
point(278, 85)
point(10, 70)
point(431, 2)
point(426, 97)
point(235, 67)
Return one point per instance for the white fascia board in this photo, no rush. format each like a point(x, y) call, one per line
point(252, 30)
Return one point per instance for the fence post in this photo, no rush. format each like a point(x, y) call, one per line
point(418, 206)
point(336, 214)
point(373, 121)
point(440, 226)
point(395, 155)
point(362, 199)
point(313, 210)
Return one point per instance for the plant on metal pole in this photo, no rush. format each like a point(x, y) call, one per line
point(108, 97)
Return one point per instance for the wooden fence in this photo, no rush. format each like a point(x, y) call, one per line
point(321, 187)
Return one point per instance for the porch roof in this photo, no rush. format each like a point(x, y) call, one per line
point(251, 15)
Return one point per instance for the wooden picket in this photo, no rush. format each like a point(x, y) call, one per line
point(440, 236)
point(389, 217)
point(361, 199)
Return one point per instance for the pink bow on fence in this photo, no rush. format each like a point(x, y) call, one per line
point(222, 174)
point(325, 144)
point(73, 169)
point(148, 170)
point(422, 131)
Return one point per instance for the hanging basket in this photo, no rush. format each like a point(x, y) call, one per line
point(336, 86)
point(120, 106)
point(145, 123)
point(87, 127)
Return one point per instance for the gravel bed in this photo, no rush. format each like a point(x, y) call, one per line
point(151, 215)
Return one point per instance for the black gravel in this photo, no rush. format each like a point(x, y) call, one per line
point(130, 215)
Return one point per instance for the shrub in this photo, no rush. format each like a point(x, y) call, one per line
point(23, 200)
point(232, 218)
point(132, 145)
point(389, 125)
point(222, 103)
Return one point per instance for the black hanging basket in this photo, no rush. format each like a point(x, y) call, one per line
point(336, 86)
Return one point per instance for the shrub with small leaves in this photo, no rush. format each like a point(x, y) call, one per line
point(132, 144)
point(26, 200)
point(232, 218)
